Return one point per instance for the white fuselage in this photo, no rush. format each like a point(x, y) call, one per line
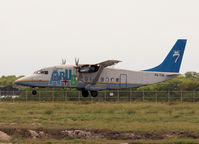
point(95, 77)
point(110, 78)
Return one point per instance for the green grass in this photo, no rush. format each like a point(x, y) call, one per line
point(137, 117)
point(112, 116)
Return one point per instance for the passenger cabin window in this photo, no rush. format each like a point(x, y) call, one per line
point(117, 80)
point(107, 79)
point(112, 79)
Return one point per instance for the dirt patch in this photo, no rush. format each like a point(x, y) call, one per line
point(4, 136)
point(94, 134)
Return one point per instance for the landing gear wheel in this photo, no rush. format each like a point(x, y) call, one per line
point(34, 92)
point(94, 93)
point(85, 93)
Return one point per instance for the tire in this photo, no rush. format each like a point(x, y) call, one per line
point(94, 93)
point(34, 92)
point(85, 93)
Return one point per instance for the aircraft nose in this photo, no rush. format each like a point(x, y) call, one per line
point(22, 81)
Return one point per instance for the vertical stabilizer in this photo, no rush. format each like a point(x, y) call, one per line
point(173, 60)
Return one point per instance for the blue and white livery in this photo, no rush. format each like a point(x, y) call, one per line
point(95, 77)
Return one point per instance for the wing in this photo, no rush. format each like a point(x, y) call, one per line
point(91, 68)
point(109, 63)
point(96, 68)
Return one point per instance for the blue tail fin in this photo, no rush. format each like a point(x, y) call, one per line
point(173, 60)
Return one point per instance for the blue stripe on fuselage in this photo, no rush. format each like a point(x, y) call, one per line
point(134, 85)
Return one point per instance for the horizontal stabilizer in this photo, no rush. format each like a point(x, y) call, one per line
point(173, 74)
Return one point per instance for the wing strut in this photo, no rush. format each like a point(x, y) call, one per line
point(98, 75)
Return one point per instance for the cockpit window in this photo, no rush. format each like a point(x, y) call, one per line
point(41, 72)
point(44, 72)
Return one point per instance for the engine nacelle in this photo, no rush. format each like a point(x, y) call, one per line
point(88, 68)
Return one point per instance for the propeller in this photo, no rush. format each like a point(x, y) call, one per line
point(76, 62)
point(77, 68)
point(63, 61)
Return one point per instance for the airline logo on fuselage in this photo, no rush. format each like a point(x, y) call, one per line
point(63, 78)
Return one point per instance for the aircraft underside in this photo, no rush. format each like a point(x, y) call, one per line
point(85, 88)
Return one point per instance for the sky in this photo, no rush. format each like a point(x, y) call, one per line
point(140, 33)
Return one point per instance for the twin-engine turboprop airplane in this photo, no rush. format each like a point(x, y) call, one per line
point(95, 77)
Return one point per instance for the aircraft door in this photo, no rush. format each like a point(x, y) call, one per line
point(123, 81)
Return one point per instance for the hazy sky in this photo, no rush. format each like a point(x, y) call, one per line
point(140, 33)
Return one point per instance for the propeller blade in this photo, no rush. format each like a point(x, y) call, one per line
point(63, 61)
point(76, 62)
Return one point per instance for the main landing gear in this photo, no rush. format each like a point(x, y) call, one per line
point(34, 92)
point(85, 93)
point(94, 93)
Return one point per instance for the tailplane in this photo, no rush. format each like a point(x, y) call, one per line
point(173, 60)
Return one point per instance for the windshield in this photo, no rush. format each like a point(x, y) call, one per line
point(41, 72)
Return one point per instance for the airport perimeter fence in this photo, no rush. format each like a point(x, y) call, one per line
point(103, 96)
